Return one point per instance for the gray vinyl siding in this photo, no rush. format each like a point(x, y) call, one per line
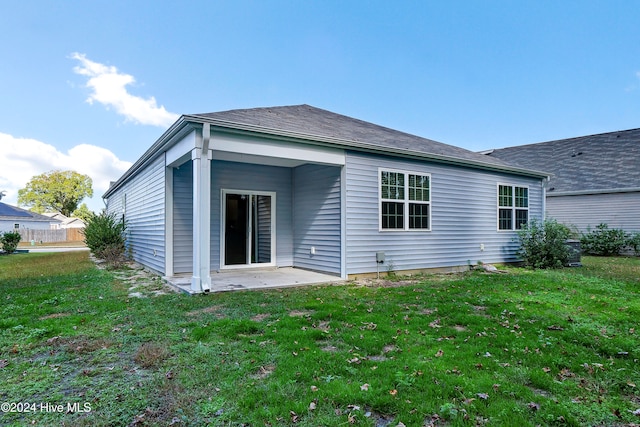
point(317, 217)
point(251, 177)
point(463, 216)
point(143, 195)
point(183, 218)
point(617, 210)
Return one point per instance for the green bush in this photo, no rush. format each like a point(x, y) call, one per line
point(104, 236)
point(9, 241)
point(634, 243)
point(543, 244)
point(604, 241)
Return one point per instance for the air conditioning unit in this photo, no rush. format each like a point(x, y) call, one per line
point(575, 253)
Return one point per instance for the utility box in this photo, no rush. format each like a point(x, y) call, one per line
point(380, 257)
point(575, 253)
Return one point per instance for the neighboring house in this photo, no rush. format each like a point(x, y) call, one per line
point(304, 187)
point(14, 219)
point(595, 179)
point(65, 221)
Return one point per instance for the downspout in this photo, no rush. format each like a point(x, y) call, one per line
point(545, 182)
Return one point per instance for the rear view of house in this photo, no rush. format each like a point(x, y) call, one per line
point(303, 187)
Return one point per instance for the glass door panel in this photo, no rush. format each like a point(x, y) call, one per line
point(248, 229)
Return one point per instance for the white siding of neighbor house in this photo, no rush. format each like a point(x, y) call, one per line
point(316, 214)
point(183, 218)
point(463, 216)
point(143, 195)
point(8, 225)
point(252, 177)
point(617, 210)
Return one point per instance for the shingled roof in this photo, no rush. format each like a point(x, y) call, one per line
point(317, 126)
point(598, 163)
point(311, 121)
point(12, 213)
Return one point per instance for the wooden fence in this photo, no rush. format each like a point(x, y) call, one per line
point(51, 236)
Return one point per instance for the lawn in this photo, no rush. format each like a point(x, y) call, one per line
point(523, 348)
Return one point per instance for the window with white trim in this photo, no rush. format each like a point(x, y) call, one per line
point(513, 207)
point(405, 200)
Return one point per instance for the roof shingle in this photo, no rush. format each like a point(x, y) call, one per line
point(606, 161)
point(312, 121)
point(8, 212)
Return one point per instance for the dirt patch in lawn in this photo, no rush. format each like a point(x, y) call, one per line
point(300, 313)
point(329, 348)
point(260, 317)
point(385, 351)
point(323, 326)
point(79, 344)
point(214, 309)
point(386, 283)
point(264, 371)
point(54, 316)
point(140, 282)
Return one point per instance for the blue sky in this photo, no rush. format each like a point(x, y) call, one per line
point(90, 86)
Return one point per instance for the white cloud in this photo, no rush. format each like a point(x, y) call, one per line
point(23, 158)
point(109, 87)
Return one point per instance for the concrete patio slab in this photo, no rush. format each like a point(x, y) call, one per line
point(256, 279)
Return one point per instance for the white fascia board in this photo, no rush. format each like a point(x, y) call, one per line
point(178, 153)
point(286, 150)
point(179, 128)
point(316, 140)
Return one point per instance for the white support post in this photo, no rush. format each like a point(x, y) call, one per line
point(201, 158)
point(168, 226)
point(343, 222)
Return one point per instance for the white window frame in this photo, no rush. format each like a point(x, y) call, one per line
point(406, 202)
point(513, 206)
point(223, 209)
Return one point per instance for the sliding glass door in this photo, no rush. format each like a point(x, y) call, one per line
point(248, 228)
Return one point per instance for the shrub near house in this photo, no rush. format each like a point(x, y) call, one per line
point(543, 244)
point(104, 235)
point(634, 243)
point(607, 241)
point(9, 241)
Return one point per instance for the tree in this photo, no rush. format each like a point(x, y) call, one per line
point(83, 213)
point(60, 191)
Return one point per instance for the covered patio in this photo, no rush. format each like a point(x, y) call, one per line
point(245, 202)
point(263, 278)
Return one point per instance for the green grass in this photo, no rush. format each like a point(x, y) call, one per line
point(519, 349)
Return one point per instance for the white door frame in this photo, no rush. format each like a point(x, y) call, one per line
point(223, 221)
